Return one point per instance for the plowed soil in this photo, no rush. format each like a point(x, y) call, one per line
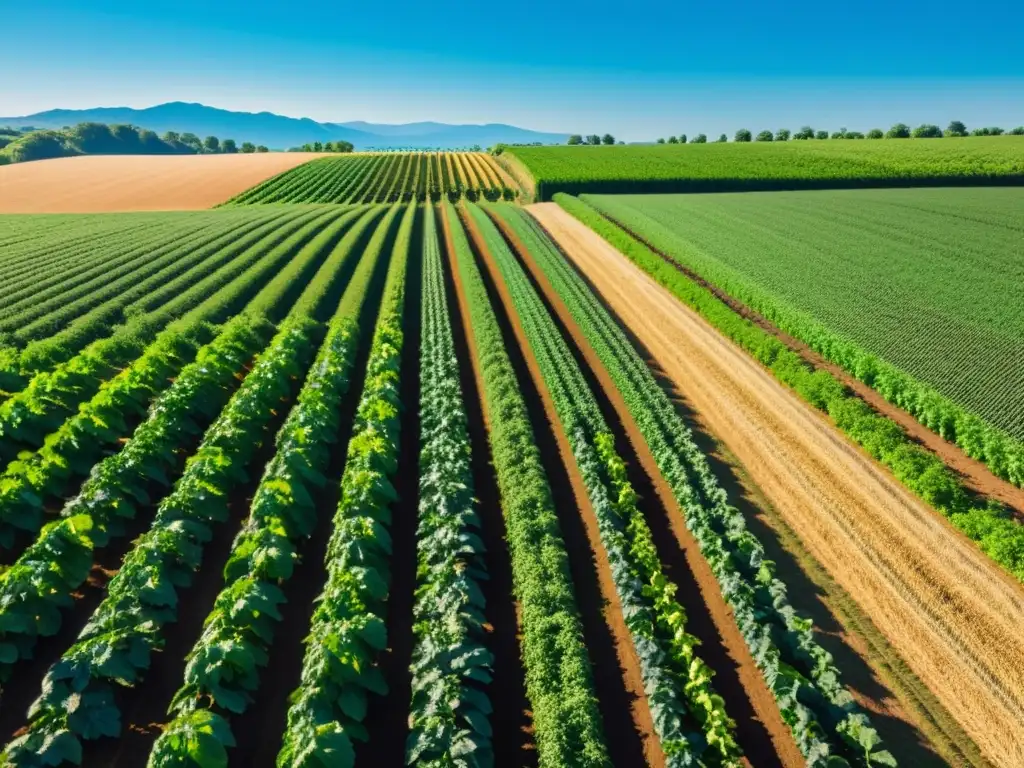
point(953, 615)
point(105, 183)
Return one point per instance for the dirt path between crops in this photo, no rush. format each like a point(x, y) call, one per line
point(954, 616)
point(628, 725)
point(105, 183)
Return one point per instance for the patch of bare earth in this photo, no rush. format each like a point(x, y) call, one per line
point(107, 183)
point(943, 605)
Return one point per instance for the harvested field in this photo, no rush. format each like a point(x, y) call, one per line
point(943, 605)
point(101, 183)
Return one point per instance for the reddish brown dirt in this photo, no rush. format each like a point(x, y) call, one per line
point(943, 605)
point(103, 183)
point(973, 473)
point(761, 730)
point(519, 351)
point(512, 719)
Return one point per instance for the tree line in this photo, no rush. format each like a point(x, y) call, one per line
point(593, 139)
point(116, 139)
point(328, 146)
point(898, 131)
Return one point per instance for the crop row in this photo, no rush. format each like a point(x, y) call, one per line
point(677, 682)
point(559, 683)
point(386, 178)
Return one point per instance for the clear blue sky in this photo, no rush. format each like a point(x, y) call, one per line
point(637, 68)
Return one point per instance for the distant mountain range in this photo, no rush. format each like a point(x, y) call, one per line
point(280, 132)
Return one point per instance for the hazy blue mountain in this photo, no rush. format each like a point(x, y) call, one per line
point(280, 132)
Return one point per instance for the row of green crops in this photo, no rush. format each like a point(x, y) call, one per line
point(801, 675)
point(914, 292)
point(451, 664)
point(994, 528)
point(769, 166)
point(347, 630)
point(689, 717)
point(51, 396)
point(559, 685)
point(114, 649)
point(386, 178)
point(225, 664)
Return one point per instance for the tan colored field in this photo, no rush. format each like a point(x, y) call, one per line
point(102, 183)
point(953, 615)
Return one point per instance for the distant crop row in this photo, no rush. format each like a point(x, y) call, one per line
point(741, 166)
point(386, 178)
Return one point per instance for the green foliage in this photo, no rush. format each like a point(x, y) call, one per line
point(676, 680)
point(997, 534)
point(575, 140)
point(898, 131)
point(821, 135)
point(700, 138)
point(782, 134)
point(875, 133)
point(773, 165)
point(673, 140)
point(742, 135)
point(927, 132)
point(956, 128)
point(765, 136)
point(559, 684)
point(608, 139)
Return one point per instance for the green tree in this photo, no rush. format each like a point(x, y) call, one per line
point(782, 134)
point(804, 133)
point(853, 135)
point(700, 138)
point(172, 137)
point(956, 128)
point(926, 131)
point(228, 147)
point(820, 135)
point(764, 136)
point(607, 139)
point(211, 144)
point(1018, 131)
point(875, 133)
point(661, 141)
point(673, 140)
point(898, 131)
point(248, 148)
point(575, 139)
point(682, 138)
point(192, 141)
point(722, 138)
point(262, 148)
point(840, 134)
point(742, 135)
point(593, 139)
point(318, 147)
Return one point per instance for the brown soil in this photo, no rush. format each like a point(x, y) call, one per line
point(973, 473)
point(620, 696)
point(512, 719)
point(945, 607)
point(519, 350)
point(760, 728)
point(102, 183)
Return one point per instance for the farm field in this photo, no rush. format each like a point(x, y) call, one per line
point(387, 178)
point(338, 484)
point(926, 589)
point(738, 167)
point(923, 304)
point(103, 183)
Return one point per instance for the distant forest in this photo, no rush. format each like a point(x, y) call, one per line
point(21, 145)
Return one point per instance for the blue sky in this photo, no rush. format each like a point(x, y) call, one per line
point(639, 69)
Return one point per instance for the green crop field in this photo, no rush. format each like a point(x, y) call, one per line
point(928, 281)
point(770, 165)
point(386, 178)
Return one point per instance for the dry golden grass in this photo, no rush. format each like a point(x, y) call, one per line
point(946, 608)
point(101, 183)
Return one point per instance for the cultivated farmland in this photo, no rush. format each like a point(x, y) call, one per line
point(923, 305)
point(373, 466)
point(769, 166)
point(101, 183)
point(387, 178)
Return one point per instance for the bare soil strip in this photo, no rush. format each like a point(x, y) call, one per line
point(628, 727)
point(760, 729)
point(104, 183)
point(512, 719)
point(952, 614)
